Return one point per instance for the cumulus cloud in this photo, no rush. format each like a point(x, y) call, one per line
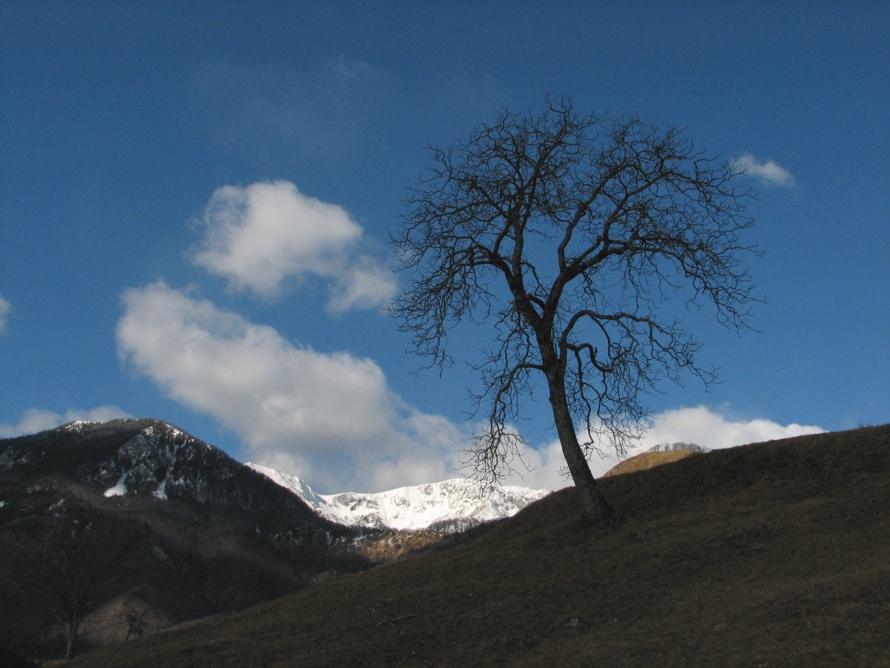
point(328, 417)
point(5, 308)
point(363, 284)
point(265, 388)
point(261, 236)
point(704, 426)
point(39, 419)
point(768, 171)
point(700, 425)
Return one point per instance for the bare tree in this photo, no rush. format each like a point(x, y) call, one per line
point(570, 235)
point(74, 562)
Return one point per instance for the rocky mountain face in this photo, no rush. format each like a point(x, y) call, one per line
point(444, 507)
point(210, 534)
point(146, 457)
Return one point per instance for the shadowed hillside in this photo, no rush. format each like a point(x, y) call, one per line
point(773, 554)
point(209, 535)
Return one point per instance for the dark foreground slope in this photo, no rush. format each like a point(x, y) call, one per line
point(767, 555)
point(206, 534)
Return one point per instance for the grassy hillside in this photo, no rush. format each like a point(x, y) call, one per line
point(767, 555)
point(648, 460)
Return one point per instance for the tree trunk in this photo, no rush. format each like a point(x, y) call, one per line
point(71, 637)
point(593, 503)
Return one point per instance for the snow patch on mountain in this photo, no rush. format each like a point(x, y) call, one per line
point(78, 426)
point(161, 492)
point(676, 447)
point(449, 506)
point(120, 489)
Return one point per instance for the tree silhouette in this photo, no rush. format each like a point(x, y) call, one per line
point(569, 235)
point(73, 563)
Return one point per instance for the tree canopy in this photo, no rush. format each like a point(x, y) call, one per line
point(570, 234)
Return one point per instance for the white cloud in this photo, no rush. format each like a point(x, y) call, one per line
point(40, 419)
point(329, 417)
point(704, 426)
point(5, 308)
point(768, 171)
point(364, 284)
point(266, 389)
point(700, 425)
point(261, 236)
point(545, 464)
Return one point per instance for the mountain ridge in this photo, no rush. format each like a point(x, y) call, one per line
point(214, 535)
point(137, 467)
point(138, 456)
point(448, 506)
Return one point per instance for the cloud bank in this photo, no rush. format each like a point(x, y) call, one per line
point(331, 418)
point(263, 235)
point(326, 416)
point(700, 425)
point(767, 171)
point(704, 426)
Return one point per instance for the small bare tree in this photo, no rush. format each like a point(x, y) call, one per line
point(570, 234)
point(74, 562)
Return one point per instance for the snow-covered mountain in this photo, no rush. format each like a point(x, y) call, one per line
point(130, 457)
point(449, 506)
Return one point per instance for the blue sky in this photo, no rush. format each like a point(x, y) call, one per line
point(196, 200)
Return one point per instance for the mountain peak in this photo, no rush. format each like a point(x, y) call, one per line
point(213, 535)
point(142, 457)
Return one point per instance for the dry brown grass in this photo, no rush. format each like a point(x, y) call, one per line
point(768, 555)
point(648, 460)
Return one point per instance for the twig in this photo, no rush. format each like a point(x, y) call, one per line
point(394, 620)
